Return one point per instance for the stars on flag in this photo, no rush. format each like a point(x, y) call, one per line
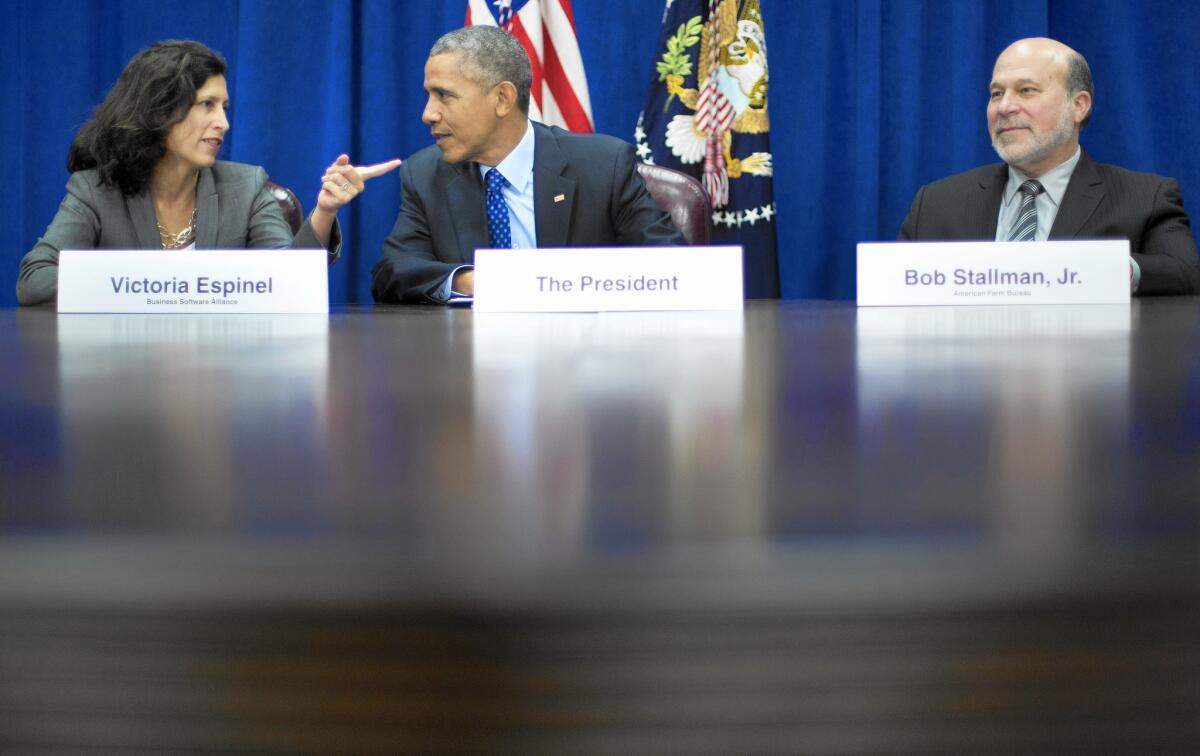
point(747, 217)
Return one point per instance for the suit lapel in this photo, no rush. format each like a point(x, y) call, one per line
point(145, 222)
point(1083, 195)
point(983, 209)
point(553, 193)
point(465, 201)
point(208, 218)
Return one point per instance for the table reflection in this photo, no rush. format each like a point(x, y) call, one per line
point(1010, 408)
point(179, 420)
point(613, 430)
point(453, 434)
point(30, 431)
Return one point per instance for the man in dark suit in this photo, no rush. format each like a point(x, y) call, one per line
point(497, 179)
point(1048, 187)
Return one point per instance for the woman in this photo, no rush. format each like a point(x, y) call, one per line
point(145, 174)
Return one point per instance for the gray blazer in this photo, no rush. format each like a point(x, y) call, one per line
point(234, 210)
point(586, 192)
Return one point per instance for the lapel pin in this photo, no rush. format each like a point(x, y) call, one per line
point(559, 197)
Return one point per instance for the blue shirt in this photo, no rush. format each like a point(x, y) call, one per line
point(517, 169)
point(1054, 182)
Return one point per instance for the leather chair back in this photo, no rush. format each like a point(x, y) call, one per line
point(293, 212)
point(683, 197)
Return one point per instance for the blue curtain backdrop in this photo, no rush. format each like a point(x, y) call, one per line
point(869, 99)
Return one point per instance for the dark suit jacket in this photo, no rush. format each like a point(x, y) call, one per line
point(1101, 202)
point(442, 219)
point(234, 210)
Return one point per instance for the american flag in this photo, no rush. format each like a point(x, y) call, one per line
point(546, 28)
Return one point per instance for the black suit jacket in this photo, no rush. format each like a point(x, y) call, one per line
point(442, 220)
point(1101, 202)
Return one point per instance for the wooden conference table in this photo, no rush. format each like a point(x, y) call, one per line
point(801, 528)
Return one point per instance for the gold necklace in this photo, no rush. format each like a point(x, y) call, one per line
point(181, 239)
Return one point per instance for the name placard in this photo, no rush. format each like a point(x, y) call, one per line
point(595, 279)
point(226, 281)
point(989, 273)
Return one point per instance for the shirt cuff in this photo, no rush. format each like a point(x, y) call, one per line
point(446, 293)
point(1135, 276)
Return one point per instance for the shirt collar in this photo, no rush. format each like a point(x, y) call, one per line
point(1054, 181)
point(517, 166)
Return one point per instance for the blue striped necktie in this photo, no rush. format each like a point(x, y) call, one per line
point(1025, 229)
point(499, 233)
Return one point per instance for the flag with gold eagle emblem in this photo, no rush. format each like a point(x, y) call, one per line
point(706, 114)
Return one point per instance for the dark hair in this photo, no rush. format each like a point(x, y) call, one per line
point(126, 137)
point(1079, 79)
point(490, 56)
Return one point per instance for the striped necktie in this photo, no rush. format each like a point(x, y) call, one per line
point(1025, 229)
point(499, 233)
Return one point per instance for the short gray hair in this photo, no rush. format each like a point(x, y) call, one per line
point(1079, 79)
point(490, 56)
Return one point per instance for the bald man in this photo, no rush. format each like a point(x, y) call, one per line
point(1048, 187)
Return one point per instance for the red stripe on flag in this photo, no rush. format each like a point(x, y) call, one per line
point(557, 69)
point(564, 93)
point(518, 31)
point(566, 9)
